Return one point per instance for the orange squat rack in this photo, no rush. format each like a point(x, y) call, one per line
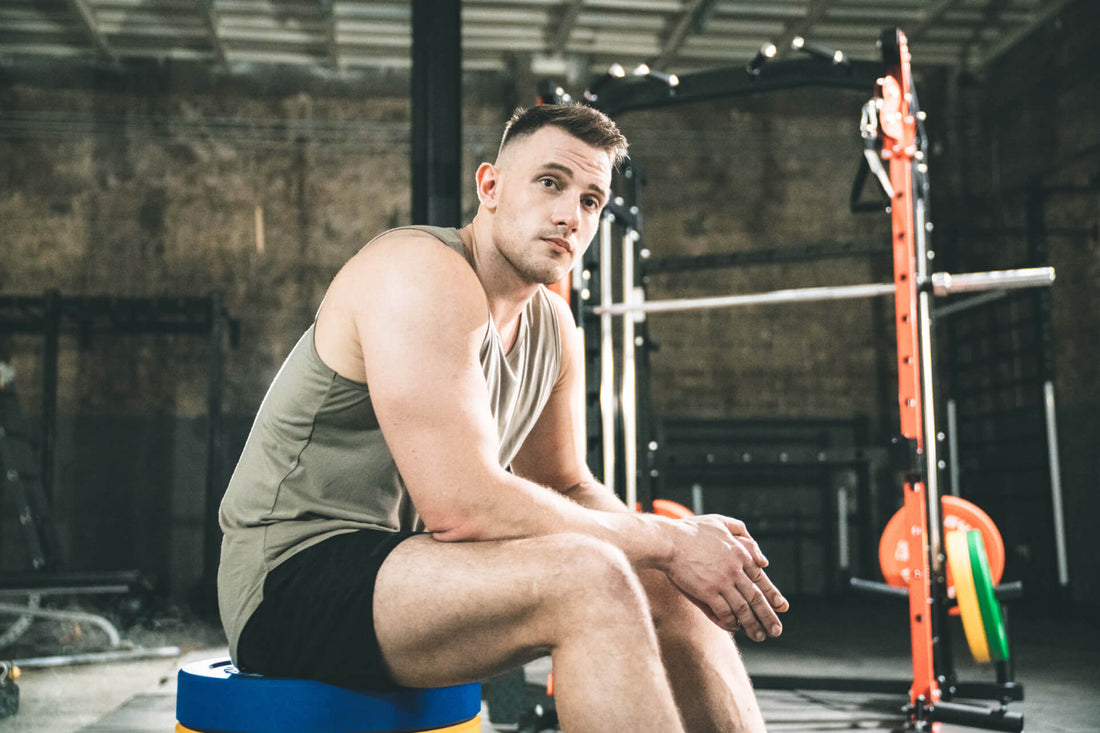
point(897, 118)
point(900, 133)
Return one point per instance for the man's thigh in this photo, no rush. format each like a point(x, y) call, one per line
point(452, 612)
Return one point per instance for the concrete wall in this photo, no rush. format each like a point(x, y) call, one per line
point(153, 183)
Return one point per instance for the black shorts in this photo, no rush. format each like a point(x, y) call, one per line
point(316, 620)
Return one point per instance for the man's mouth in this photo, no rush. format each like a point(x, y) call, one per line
point(559, 244)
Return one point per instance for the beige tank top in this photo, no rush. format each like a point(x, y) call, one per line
point(315, 463)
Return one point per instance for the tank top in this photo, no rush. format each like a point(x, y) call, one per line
point(315, 463)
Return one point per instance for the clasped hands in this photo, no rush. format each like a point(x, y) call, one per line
point(719, 567)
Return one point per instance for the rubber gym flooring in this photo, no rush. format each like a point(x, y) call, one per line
point(1057, 662)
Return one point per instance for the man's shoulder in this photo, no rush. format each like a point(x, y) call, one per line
point(407, 263)
point(408, 250)
point(422, 241)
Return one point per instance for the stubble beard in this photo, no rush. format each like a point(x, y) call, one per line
point(529, 266)
point(543, 273)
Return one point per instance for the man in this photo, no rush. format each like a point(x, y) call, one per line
point(413, 507)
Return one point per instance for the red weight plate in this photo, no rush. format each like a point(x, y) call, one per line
point(958, 514)
point(667, 508)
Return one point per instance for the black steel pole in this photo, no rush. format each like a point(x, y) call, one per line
point(215, 487)
point(52, 334)
point(436, 112)
point(1039, 253)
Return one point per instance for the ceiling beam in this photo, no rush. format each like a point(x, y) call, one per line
point(815, 13)
point(91, 28)
point(210, 17)
point(558, 36)
point(693, 20)
point(1047, 10)
point(931, 17)
point(328, 17)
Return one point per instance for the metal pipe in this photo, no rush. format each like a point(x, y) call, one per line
point(942, 311)
point(64, 590)
point(971, 282)
point(697, 499)
point(1056, 483)
point(873, 586)
point(953, 445)
point(117, 655)
point(777, 296)
point(628, 399)
point(942, 284)
point(107, 627)
point(843, 558)
point(21, 624)
point(607, 359)
point(927, 391)
point(995, 718)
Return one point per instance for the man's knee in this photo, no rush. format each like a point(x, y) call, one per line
point(672, 612)
point(597, 574)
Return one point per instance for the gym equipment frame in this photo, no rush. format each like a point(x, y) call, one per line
point(50, 315)
point(892, 128)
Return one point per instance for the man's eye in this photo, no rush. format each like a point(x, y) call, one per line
point(548, 182)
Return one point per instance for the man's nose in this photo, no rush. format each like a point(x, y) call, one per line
point(568, 214)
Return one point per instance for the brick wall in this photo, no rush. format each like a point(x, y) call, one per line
point(151, 184)
point(760, 173)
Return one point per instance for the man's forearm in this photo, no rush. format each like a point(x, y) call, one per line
point(507, 506)
point(711, 559)
point(591, 494)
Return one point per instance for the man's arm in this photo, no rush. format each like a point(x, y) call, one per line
point(554, 453)
point(420, 316)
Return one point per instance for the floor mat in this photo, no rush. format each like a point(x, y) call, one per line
point(144, 713)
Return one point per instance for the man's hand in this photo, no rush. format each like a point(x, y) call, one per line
point(719, 566)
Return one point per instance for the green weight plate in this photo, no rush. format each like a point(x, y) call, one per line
point(987, 601)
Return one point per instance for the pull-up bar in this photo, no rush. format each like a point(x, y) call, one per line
point(942, 283)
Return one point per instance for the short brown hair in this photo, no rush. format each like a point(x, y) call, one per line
point(581, 121)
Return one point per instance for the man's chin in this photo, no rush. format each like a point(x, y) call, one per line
point(554, 278)
point(544, 272)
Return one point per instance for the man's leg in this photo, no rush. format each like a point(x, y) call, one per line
point(708, 678)
point(447, 613)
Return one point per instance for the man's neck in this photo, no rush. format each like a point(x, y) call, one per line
point(506, 292)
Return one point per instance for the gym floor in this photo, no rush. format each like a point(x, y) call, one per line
point(1057, 662)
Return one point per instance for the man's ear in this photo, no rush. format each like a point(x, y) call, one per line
point(487, 179)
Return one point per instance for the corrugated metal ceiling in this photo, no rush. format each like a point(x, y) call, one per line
point(562, 37)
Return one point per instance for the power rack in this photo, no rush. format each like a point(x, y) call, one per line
point(893, 130)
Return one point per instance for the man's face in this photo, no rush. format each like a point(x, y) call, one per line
point(551, 189)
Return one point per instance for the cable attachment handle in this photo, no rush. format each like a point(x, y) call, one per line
point(868, 130)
